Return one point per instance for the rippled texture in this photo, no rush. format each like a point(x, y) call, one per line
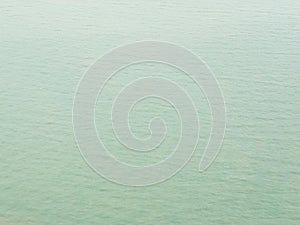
point(251, 46)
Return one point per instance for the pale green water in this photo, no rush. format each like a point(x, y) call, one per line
point(253, 47)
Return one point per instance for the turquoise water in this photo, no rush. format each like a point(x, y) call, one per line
point(253, 48)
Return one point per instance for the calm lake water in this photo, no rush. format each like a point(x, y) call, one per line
point(253, 48)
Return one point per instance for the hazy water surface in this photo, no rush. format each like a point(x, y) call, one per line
point(253, 48)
